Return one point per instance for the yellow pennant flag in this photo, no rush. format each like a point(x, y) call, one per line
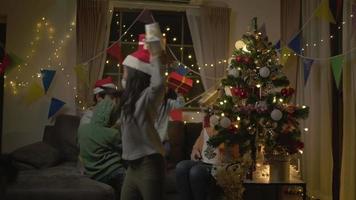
point(324, 12)
point(285, 54)
point(82, 73)
point(35, 92)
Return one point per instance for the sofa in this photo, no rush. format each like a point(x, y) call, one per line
point(49, 169)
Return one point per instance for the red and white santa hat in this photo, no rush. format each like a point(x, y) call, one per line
point(103, 83)
point(140, 59)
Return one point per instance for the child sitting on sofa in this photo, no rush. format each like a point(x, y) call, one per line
point(194, 176)
point(100, 147)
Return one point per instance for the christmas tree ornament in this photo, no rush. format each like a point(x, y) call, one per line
point(284, 92)
point(239, 59)
point(276, 115)
point(240, 44)
point(247, 60)
point(233, 72)
point(261, 106)
point(242, 94)
point(214, 120)
point(225, 122)
point(235, 91)
point(264, 72)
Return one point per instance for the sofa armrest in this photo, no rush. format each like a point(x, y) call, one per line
point(48, 135)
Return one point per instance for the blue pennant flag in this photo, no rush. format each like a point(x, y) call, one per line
point(295, 44)
point(47, 77)
point(182, 70)
point(278, 45)
point(307, 67)
point(55, 106)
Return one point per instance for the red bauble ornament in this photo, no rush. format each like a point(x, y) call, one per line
point(242, 94)
point(247, 60)
point(285, 92)
point(290, 91)
point(238, 59)
point(235, 91)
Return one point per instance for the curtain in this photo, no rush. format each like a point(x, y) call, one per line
point(317, 160)
point(290, 20)
point(210, 27)
point(348, 166)
point(93, 25)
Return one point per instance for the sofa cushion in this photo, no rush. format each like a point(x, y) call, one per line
point(64, 136)
point(37, 155)
point(62, 182)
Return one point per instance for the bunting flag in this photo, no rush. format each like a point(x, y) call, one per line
point(336, 64)
point(278, 45)
point(323, 12)
point(34, 93)
point(4, 63)
point(14, 60)
point(47, 77)
point(55, 106)
point(262, 29)
point(146, 17)
point(115, 52)
point(307, 63)
point(295, 44)
point(176, 115)
point(285, 54)
point(81, 72)
point(182, 70)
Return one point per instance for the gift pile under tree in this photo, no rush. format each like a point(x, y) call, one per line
point(253, 108)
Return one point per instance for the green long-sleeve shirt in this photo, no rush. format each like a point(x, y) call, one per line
point(100, 147)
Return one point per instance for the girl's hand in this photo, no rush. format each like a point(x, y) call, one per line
point(195, 155)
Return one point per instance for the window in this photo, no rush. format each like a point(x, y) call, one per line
point(175, 27)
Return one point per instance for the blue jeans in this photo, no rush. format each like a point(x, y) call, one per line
point(193, 180)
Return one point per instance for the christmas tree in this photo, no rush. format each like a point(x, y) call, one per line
point(254, 106)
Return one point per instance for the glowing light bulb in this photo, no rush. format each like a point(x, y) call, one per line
point(190, 56)
point(107, 61)
point(166, 73)
point(306, 129)
point(174, 39)
point(164, 34)
point(197, 81)
point(258, 85)
point(168, 29)
point(304, 107)
point(222, 114)
point(238, 118)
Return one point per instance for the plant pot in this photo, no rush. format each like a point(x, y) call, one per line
point(279, 168)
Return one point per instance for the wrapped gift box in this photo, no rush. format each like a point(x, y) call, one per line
point(179, 83)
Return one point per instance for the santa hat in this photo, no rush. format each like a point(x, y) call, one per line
point(141, 42)
point(140, 59)
point(103, 83)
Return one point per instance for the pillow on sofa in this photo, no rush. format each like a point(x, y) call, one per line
point(38, 155)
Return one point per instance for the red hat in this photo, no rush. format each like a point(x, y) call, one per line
point(140, 59)
point(106, 83)
point(141, 41)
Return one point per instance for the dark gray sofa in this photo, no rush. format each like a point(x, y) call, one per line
point(46, 178)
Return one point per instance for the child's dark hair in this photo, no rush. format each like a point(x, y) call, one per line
point(107, 91)
point(170, 94)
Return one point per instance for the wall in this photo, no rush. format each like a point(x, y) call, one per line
point(24, 124)
point(242, 11)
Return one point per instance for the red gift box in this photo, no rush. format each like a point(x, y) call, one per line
point(179, 83)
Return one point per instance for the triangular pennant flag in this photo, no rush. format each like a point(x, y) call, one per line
point(285, 54)
point(14, 60)
point(336, 64)
point(182, 70)
point(307, 67)
point(146, 17)
point(115, 51)
point(35, 92)
point(82, 73)
point(324, 12)
point(295, 44)
point(262, 29)
point(47, 77)
point(278, 45)
point(55, 106)
point(176, 115)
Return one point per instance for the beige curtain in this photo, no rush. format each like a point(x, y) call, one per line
point(317, 162)
point(290, 20)
point(93, 24)
point(348, 166)
point(210, 27)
